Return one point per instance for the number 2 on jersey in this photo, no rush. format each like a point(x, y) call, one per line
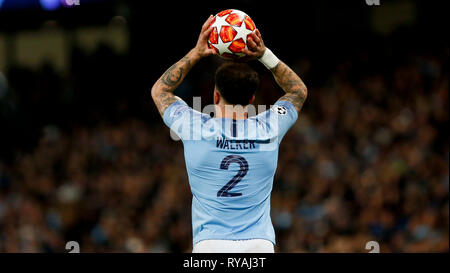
point(243, 164)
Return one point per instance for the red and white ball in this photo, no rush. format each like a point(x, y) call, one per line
point(230, 31)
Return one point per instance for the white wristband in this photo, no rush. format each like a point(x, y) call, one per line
point(269, 59)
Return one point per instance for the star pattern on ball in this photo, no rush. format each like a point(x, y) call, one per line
point(233, 30)
point(221, 46)
point(219, 22)
point(241, 14)
point(242, 32)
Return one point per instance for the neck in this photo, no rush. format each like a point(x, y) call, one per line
point(231, 111)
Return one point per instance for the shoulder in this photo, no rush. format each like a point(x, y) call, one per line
point(280, 109)
point(284, 107)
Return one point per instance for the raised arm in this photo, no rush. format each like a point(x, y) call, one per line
point(291, 83)
point(287, 79)
point(162, 90)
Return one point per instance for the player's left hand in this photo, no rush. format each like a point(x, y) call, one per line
point(256, 47)
point(202, 48)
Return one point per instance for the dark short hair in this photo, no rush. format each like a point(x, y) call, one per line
point(236, 82)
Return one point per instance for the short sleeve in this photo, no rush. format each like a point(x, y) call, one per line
point(184, 121)
point(284, 115)
point(178, 118)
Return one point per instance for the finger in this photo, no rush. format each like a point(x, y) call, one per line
point(207, 23)
point(205, 34)
point(252, 52)
point(249, 53)
point(211, 51)
point(258, 34)
point(251, 43)
point(256, 39)
point(211, 20)
point(246, 51)
point(253, 37)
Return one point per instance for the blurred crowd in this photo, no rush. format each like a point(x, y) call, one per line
point(368, 160)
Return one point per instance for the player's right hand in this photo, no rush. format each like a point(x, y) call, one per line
point(202, 48)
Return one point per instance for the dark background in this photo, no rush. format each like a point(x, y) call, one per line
point(85, 156)
point(327, 33)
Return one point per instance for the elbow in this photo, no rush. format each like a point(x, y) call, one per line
point(304, 92)
point(154, 92)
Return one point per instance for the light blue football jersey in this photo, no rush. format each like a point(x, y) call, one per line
point(231, 165)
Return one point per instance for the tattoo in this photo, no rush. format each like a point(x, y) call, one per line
point(170, 78)
point(164, 100)
point(162, 91)
point(291, 83)
point(174, 74)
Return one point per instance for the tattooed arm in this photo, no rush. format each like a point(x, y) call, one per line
point(162, 90)
point(291, 83)
point(286, 78)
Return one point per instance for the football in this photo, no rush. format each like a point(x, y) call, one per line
point(230, 29)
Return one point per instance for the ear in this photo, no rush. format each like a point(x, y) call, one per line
point(252, 100)
point(216, 97)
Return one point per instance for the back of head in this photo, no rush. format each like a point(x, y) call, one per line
point(236, 82)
